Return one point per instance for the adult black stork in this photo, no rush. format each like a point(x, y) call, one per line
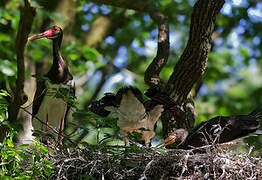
point(50, 106)
point(133, 115)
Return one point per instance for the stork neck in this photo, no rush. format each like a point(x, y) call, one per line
point(56, 51)
point(59, 72)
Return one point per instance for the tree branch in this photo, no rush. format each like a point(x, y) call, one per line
point(193, 61)
point(152, 72)
point(151, 77)
point(25, 24)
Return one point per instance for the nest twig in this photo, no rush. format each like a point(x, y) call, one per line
point(125, 163)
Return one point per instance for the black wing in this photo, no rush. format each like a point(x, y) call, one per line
point(160, 98)
point(223, 129)
point(111, 99)
point(39, 96)
point(97, 107)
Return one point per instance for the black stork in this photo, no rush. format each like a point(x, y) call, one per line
point(50, 106)
point(132, 113)
point(217, 130)
point(220, 129)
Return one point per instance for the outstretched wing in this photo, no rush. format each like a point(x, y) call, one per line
point(160, 98)
point(98, 106)
point(131, 109)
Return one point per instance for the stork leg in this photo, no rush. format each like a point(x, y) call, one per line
point(46, 129)
point(60, 137)
point(46, 123)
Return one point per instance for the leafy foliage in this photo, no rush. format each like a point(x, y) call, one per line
point(23, 161)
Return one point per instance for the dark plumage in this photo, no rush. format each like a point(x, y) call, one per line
point(223, 129)
point(50, 100)
point(98, 106)
point(111, 99)
point(160, 97)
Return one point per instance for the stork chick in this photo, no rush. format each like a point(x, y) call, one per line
point(132, 115)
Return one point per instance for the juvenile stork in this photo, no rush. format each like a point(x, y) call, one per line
point(217, 130)
point(133, 114)
point(50, 106)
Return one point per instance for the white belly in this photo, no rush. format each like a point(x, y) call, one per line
point(52, 110)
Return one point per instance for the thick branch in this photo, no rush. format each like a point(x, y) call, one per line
point(25, 24)
point(193, 61)
point(152, 72)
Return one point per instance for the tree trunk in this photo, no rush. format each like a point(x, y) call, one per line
point(25, 24)
point(191, 65)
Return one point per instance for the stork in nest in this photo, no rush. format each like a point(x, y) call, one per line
point(133, 116)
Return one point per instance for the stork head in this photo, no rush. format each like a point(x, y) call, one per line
point(53, 32)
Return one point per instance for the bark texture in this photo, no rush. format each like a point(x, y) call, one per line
point(25, 24)
point(193, 61)
point(191, 65)
point(152, 72)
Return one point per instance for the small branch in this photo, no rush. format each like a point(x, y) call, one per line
point(152, 72)
point(193, 61)
point(25, 24)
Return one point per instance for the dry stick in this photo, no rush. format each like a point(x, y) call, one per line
point(25, 25)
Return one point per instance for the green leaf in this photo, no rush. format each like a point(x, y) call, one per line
point(4, 93)
point(74, 56)
point(7, 68)
point(23, 146)
point(4, 37)
point(9, 143)
point(161, 151)
point(90, 53)
point(3, 21)
point(43, 150)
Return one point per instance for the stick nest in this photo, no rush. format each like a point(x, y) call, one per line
point(138, 163)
